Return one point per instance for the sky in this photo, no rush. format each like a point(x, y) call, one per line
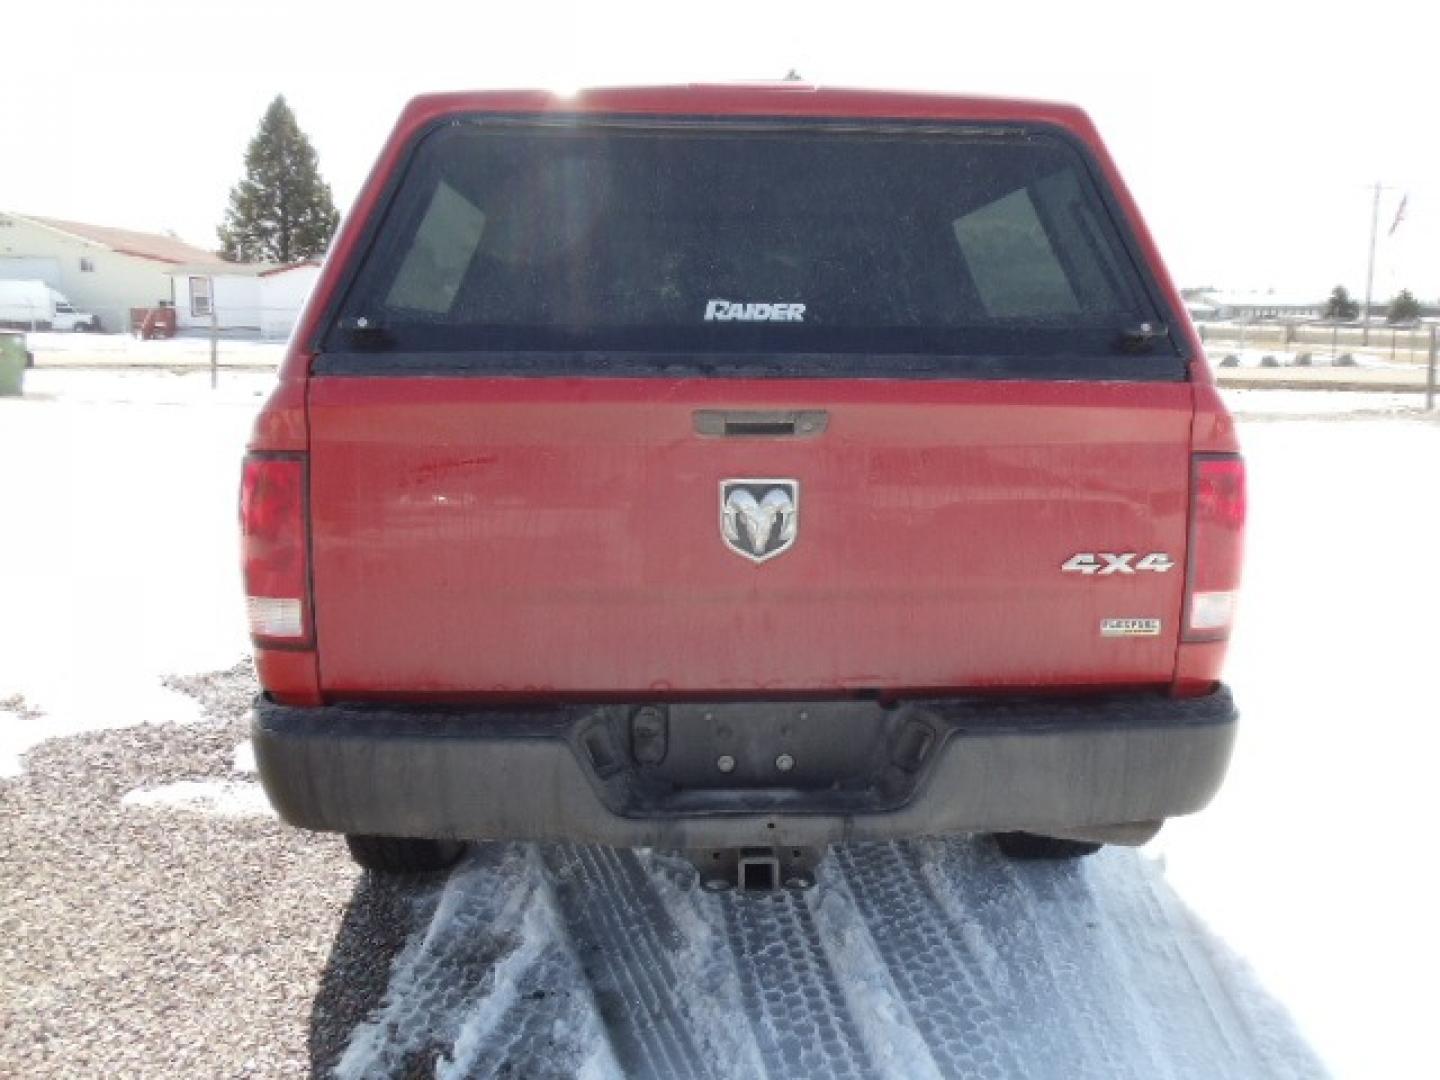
point(1250, 133)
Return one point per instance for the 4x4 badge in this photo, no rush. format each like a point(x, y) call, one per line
point(759, 518)
point(1105, 563)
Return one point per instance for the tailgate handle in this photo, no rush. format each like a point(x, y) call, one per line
point(794, 424)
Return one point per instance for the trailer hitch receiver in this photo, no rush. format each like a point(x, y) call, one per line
point(755, 870)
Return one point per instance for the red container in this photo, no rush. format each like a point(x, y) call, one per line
point(157, 322)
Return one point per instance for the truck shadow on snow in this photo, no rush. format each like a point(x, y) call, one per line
point(932, 958)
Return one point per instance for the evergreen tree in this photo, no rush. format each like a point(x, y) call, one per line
point(1340, 307)
point(282, 211)
point(1404, 308)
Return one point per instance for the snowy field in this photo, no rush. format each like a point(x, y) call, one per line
point(54, 349)
point(1285, 932)
point(119, 563)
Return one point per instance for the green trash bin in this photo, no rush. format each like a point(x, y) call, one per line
point(12, 363)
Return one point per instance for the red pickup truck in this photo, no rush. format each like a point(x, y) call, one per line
point(737, 470)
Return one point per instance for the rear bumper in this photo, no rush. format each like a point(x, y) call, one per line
point(650, 776)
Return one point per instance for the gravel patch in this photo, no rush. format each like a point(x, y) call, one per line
point(150, 941)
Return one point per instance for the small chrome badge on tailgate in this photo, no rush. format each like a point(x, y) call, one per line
point(759, 518)
point(1129, 627)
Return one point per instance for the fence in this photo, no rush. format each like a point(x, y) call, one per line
point(231, 340)
point(245, 336)
point(1404, 345)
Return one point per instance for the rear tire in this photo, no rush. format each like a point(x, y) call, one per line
point(1030, 847)
point(403, 854)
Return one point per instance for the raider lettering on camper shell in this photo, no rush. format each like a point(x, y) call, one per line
point(725, 311)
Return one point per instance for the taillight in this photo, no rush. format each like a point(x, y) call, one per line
point(1217, 526)
point(274, 547)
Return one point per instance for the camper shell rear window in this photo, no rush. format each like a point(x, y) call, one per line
point(809, 248)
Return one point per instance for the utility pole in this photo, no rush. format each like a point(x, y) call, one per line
point(1430, 370)
point(1377, 188)
point(1370, 268)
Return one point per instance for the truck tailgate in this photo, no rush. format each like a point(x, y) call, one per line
point(481, 535)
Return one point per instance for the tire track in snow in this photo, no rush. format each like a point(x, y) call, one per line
point(1121, 967)
point(1060, 916)
point(545, 1022)
point(792, 997)
point(1176, 1019)
point(1068, 1011)
point(487, 987)
point(625, 940)
point(705, 968)
point(894, 1042)
point(973, 938)
point(1152, 1052)
point(925, 959)
point(958, 1015)
point(476, 927)
point(482, 1023)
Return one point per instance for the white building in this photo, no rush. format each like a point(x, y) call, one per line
point(99, 269)
point(1268, 305)
point(242, 296)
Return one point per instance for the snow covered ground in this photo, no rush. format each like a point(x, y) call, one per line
point(226, 798)
point(1313, 863)
point(907, 961)
point(1319, 404)
point(1287, 931)
point(119, 563)
point(53, 348)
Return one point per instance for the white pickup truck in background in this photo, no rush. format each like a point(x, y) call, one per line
point(34, 305)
